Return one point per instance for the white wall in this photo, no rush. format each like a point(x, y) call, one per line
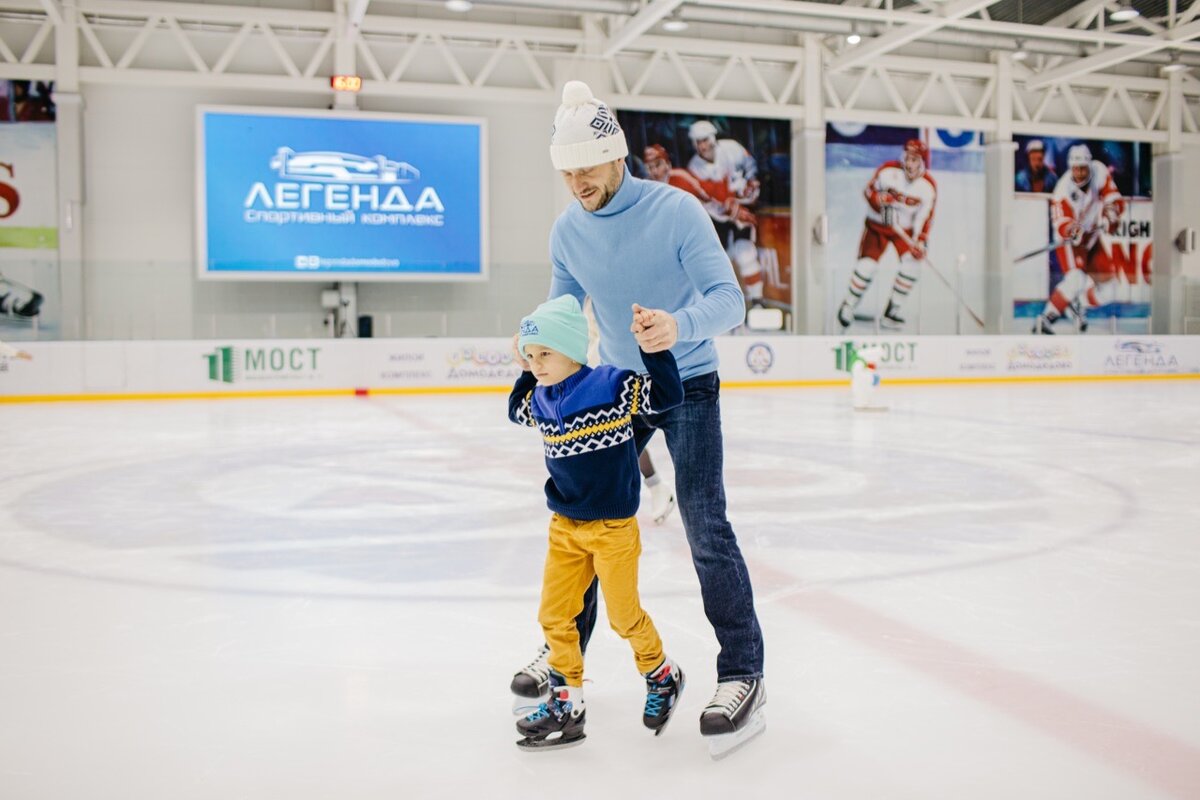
point(139, 216)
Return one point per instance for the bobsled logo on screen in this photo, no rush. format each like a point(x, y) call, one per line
point(341, 167)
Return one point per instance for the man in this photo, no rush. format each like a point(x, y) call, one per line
point(631, 244)
point(727, 173)
point(1081, 210)
point(900, 199)
point(1037, 177)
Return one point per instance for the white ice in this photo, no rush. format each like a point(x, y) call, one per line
point(984, 592)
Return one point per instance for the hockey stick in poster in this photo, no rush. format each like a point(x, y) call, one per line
point(913, 245)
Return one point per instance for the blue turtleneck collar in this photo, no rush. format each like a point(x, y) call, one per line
point(627, 194)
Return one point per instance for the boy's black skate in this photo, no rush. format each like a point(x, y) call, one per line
point(558, 722)
point(734, 716)
point(663, 688)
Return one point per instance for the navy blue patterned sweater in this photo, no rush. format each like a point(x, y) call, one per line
point(586, 422)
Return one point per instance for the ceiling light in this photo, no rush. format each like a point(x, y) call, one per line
point(853, 38)
point(1173, 65)
point(1124, 13)
point(1020, 54)
point(461, 6)
point(673, 24)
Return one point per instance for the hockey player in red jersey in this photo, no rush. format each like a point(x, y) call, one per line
point(658, 164)
point(900, 197)
point(1083, 209)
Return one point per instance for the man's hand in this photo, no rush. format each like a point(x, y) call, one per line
point(655, 330)
point(517, 357)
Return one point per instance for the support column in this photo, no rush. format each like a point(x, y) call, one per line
point(1170, 192)
point(808, 200)
point(345, 61)
point(999, 166)
point(68, 130)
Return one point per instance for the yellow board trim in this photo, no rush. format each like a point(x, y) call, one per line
point(419, 390)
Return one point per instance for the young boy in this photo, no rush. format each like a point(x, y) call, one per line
point(585, 418)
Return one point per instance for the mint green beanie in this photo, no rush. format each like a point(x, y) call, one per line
point(558, 324)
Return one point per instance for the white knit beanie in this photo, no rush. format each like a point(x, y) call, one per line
point(586, 132)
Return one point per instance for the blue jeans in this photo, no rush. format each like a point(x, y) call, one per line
point(693, 432)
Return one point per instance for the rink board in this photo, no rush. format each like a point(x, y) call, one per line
point(162, 369)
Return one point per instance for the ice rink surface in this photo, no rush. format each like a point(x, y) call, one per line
point(986, 592)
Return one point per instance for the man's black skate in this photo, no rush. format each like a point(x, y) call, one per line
point(558, 722)
point(663, 689)
point(734, 716)
point(534, 679)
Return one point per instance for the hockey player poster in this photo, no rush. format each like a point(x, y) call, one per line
point(1082, 236)
point(28, 213)
point(740, 169)
point(906, 230)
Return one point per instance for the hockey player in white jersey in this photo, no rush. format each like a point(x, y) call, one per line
point(728, 175)
point(900, 197)
point(1083, 209)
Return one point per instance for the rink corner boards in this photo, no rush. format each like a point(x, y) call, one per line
point(367, 392)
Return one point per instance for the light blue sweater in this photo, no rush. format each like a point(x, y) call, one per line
point(653, 245)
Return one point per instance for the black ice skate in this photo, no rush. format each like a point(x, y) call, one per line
point(1043, 325)
point(532, 682)
point(734, 716)
point(891, 317)
point(558, 722)
point(663, 689)
point(17, 300)
point(1079, 313)
point(845, 315)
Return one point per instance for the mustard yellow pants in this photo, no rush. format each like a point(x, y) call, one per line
point(579, 550)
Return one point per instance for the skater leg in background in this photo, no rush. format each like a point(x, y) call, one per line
point(662, 496)
point(694, 439)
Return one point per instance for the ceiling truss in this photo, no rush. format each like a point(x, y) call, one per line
point(134, 42)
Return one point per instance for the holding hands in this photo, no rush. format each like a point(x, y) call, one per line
point(655, 330)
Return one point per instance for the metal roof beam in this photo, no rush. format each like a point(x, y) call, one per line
point(902, 36)
point(638, 24)
point(1110, 58)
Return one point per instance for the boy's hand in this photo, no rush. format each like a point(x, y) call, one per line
point(521, 362)
point(655, 330)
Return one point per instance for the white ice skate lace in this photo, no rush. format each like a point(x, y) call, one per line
point(728, 697)
point(538, 668)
